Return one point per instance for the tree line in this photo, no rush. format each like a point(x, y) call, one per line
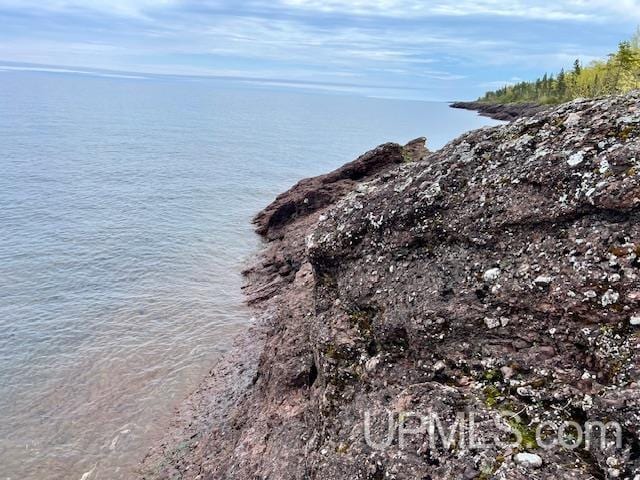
point(619, 73)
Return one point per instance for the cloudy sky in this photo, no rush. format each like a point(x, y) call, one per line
point(433, 49)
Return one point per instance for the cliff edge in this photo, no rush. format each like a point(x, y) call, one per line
point(492, 285)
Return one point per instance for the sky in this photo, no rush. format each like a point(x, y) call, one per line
point(439, 50)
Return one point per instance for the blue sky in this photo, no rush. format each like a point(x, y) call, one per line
point(415, 49)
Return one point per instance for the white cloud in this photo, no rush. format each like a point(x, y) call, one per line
point(12, 68)
point(133, 8)
point(577, 10)
point(400, 42)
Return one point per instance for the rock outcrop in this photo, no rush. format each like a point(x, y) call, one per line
point(495, 282)
point(501, 111)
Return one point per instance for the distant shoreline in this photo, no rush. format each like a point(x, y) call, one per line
point(501, 111)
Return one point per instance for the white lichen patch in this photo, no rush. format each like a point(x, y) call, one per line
point(576, 159)
point(491, 275)
point(610, 297)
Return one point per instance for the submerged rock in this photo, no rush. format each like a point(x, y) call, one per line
point(512, 287)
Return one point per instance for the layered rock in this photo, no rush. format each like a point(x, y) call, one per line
point(498, 274)
point(501, 111)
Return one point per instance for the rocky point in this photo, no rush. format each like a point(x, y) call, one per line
point(497, 277)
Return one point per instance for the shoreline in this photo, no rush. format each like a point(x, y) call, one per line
point(278, 279)
point(373, 279)
point(501, 111)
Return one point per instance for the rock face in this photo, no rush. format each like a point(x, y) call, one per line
point(499, 111)
point(495, 275)
point(294, 213)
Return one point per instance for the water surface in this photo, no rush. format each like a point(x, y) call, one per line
point(125, 209)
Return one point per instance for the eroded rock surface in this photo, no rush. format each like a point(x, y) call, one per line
point(498, 276)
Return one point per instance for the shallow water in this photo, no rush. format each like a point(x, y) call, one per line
point(125, 209)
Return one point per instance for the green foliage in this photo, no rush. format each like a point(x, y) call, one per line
point(527, 434)
point(620, 73)
point(492, 376)
point(492, 396)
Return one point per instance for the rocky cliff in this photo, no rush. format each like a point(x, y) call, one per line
point(494, 281)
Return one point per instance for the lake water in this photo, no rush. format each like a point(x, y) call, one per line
point(125, 209)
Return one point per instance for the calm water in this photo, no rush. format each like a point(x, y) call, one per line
point(124, 221)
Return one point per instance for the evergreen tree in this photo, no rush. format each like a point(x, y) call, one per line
point(576, 67)
point(619, 74)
